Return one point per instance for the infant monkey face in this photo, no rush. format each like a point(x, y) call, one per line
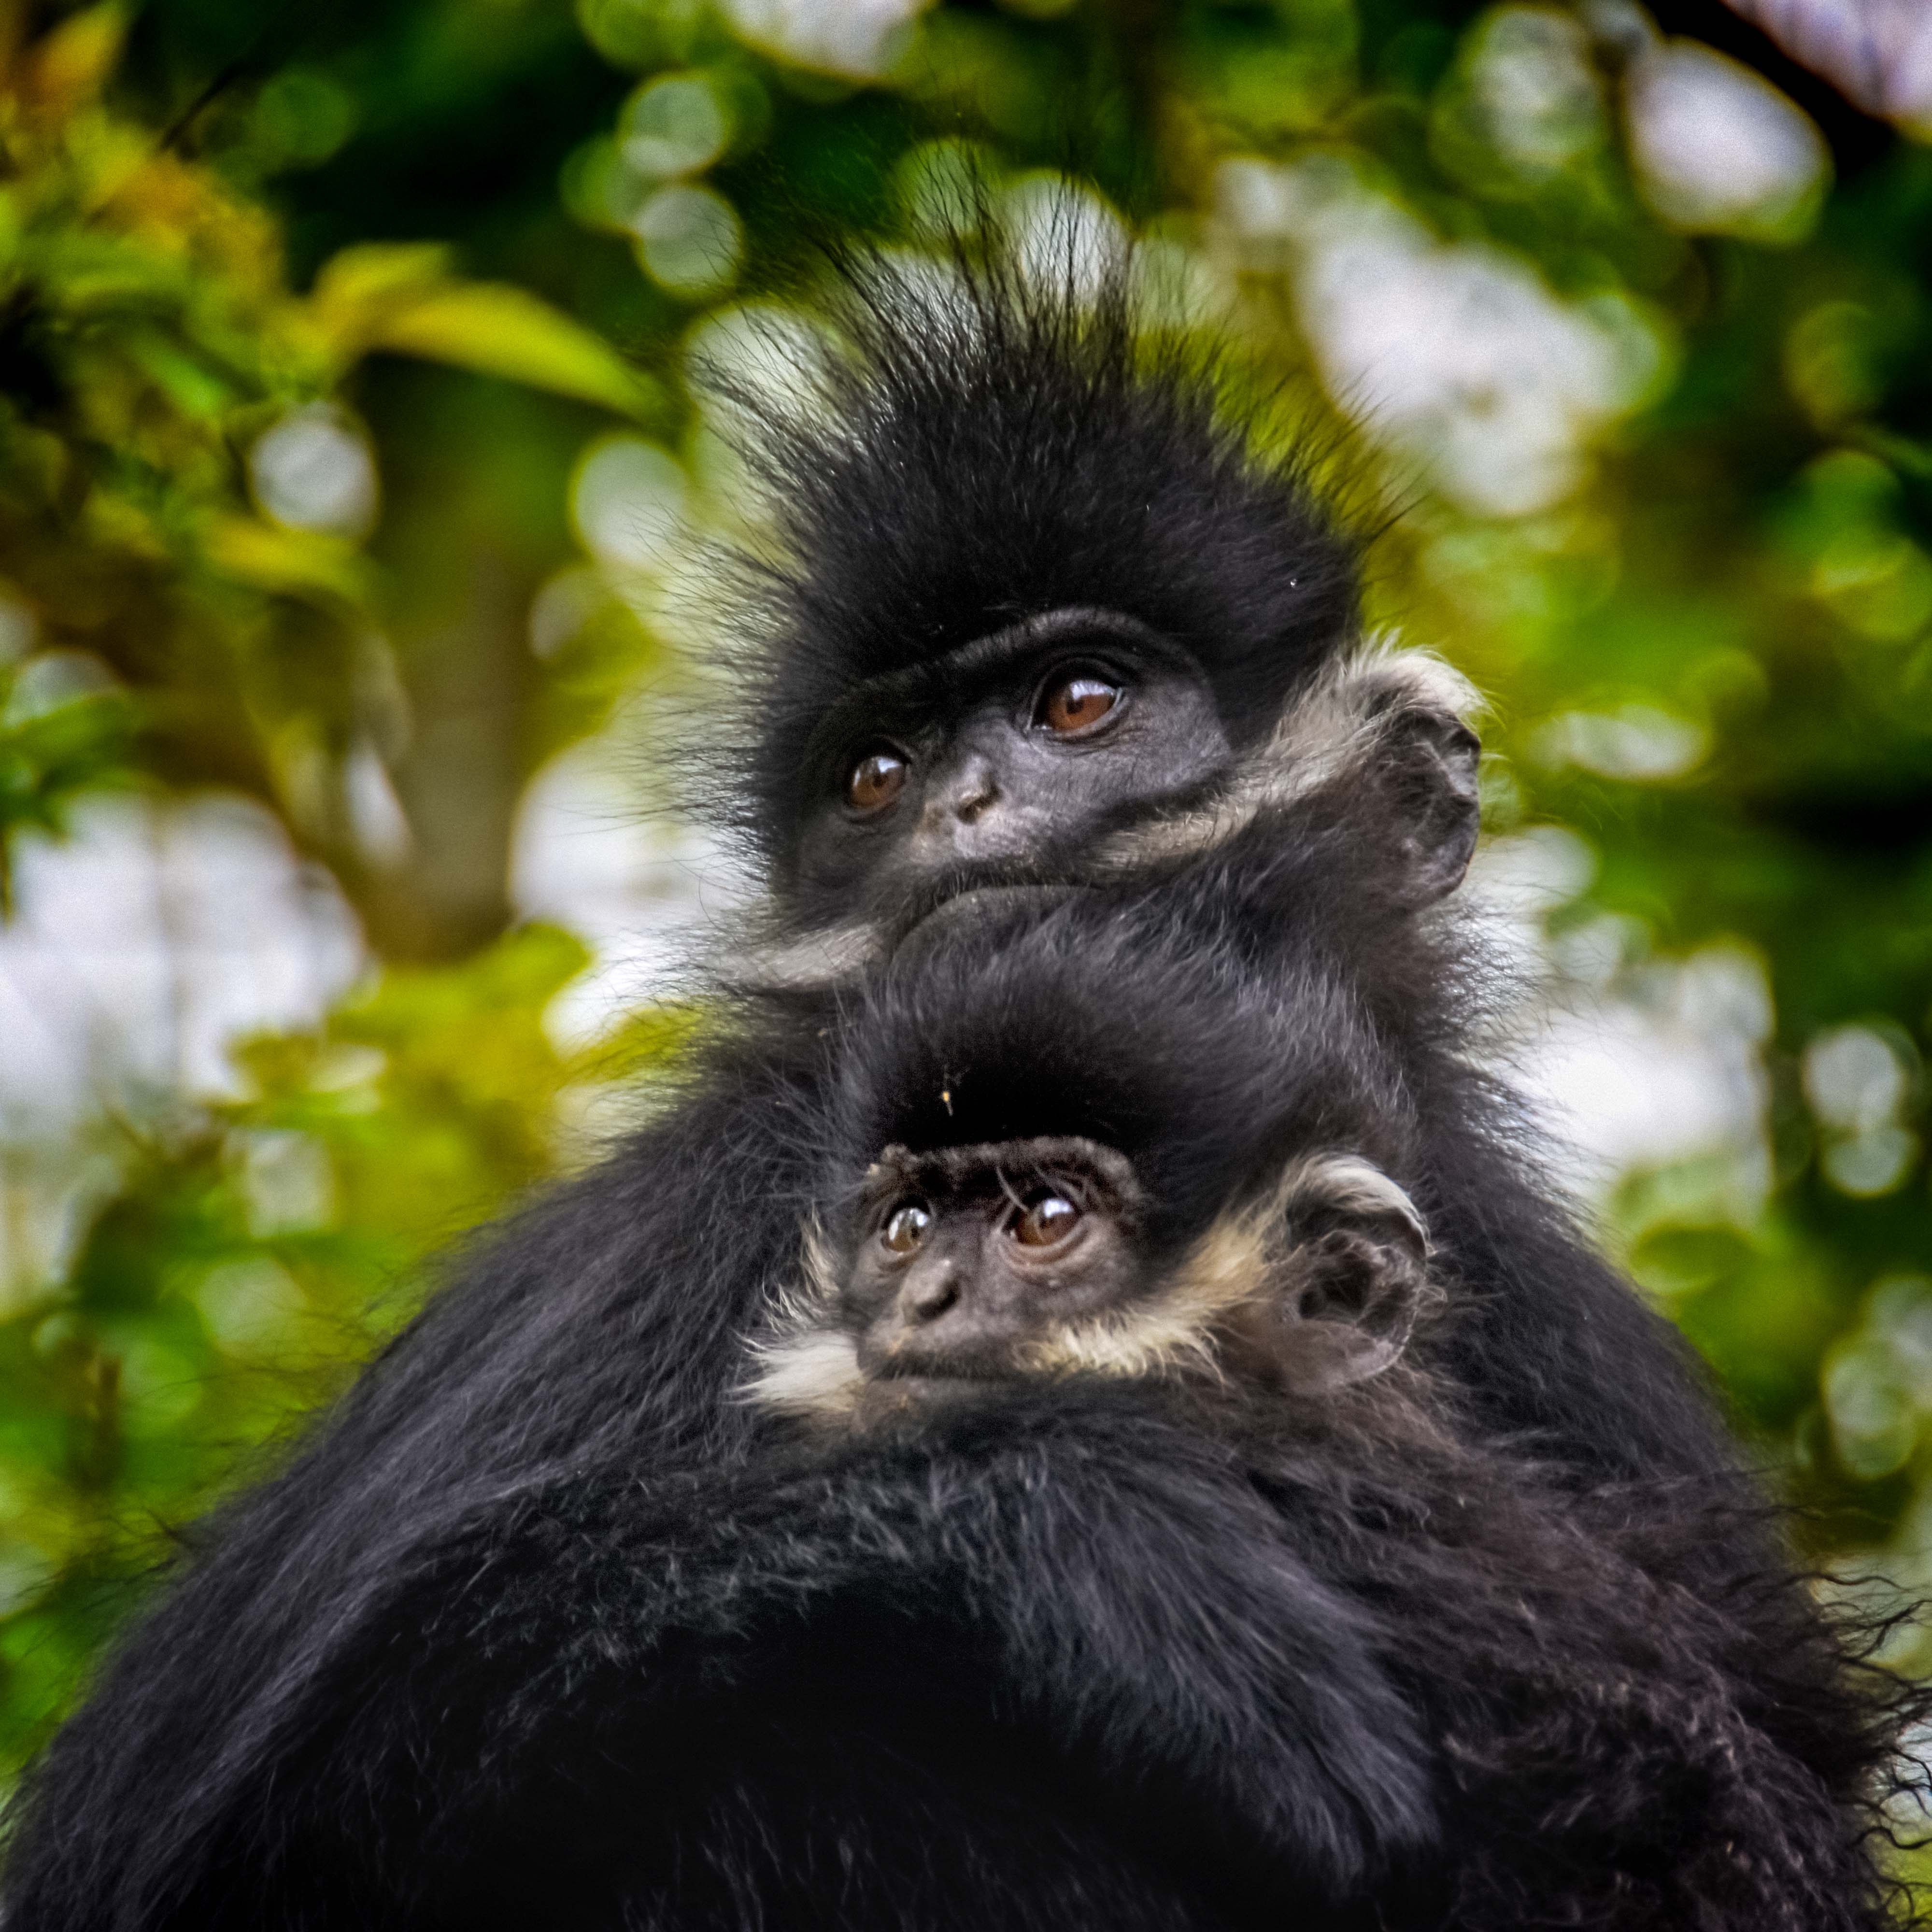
point(968, 1267)
point(968, 1258)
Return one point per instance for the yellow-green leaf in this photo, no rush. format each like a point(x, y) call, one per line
point(401, 296)
point(501, 331)
point(68, 65)
point(299, 561)
point(358, 286)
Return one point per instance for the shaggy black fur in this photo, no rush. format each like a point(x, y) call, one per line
point(544, 1626)
point(1089, 1655)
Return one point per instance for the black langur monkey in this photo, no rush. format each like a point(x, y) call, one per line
point(964, 1265)
point(418, 1674)
point(1195, 1594)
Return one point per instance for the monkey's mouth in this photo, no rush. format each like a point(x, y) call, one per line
point(911, 1391)
point(919, 1369)
point(979, 909)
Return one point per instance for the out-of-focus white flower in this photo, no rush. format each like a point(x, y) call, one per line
point(673, 125)
point(1528, 875)
point(938, 186)
point(1640, 1062)
point(559, 610)
point(376, 819)
point(314, 471)
point(646, 893)
point(849, 37)
point(1717, 149)
point(1878, 53)
point(1877, 1386)
point(689, 241)
point(145, 943)
point(1874, 1423)
point(1853, 1078)
point(1063, 237)
point(1858, 1081)
point(753, 357)
point(1528, 93)
point(1456, 354)
point(627, 501)
point(1636, 741)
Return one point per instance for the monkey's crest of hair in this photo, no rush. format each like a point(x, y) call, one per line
point(981, 444)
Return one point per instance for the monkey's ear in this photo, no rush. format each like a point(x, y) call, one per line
point(1343, 1299)
point(1348, 1305)
point(1428, 758)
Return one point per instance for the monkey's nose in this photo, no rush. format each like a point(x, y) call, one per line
point(929, 1295)
point(970, 793)
point(974, 799)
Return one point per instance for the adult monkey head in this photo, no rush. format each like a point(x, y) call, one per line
point(1037, 588)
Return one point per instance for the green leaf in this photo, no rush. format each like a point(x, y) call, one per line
point(400, 297)
point(298, 563)
point(499, 330)
point(69, 64)
point(359, 285)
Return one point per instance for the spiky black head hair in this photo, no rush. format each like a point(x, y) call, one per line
point(985, 445)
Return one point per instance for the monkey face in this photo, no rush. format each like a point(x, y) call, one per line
point(1078, 749)
point(969, 1260)
point(968, 1267)
point(1014, 747)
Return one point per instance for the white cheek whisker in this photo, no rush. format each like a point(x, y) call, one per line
point(814, 1375)
point(802, 1365)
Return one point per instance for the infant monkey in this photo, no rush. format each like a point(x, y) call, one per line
point(970, 1253)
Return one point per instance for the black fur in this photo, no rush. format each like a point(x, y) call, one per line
point(543, 1625)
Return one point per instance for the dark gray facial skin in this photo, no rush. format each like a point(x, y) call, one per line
point(966, 1256)
point(1020, 743)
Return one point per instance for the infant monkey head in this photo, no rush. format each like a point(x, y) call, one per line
point(966, 1269)
point(1081, 1139)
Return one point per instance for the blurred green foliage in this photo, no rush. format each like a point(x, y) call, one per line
point(345, 427)
point(234, 1268)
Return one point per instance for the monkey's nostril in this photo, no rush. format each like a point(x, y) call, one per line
point(970, 803)
point(973, 785)
point(926, 1301)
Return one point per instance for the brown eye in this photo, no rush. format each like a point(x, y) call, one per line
point(906, 1228)
point(1072, 703)
point(1046, 1219)
point(876, 780)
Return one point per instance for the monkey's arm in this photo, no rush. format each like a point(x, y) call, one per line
point(547, 1676)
